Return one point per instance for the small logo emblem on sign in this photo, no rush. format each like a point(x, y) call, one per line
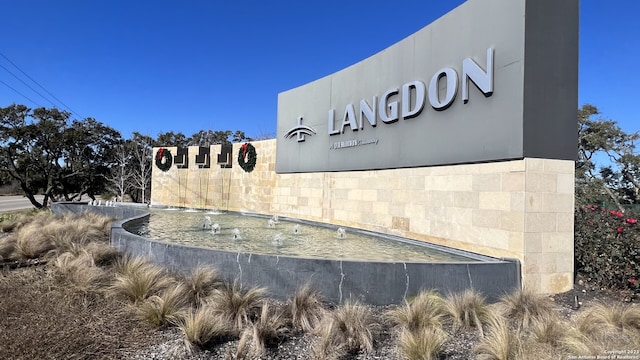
point(299, 131)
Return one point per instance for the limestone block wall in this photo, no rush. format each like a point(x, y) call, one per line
point(521, 208)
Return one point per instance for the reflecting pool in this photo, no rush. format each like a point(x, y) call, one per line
point(249, 233)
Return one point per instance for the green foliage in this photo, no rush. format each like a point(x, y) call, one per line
point(607, 247)
point(47, 154)
point(608, 166)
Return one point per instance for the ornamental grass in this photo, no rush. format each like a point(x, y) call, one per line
point(306, 308)
point(160, 310)
point(501, 342)
point(468, 310)
point(137, 279)
point(425, 310)
point(201, 283)
point(524, 306)
point(348, 329)
point(201, 327)
point(267, 331)
point(422, 343)
point(237, 305)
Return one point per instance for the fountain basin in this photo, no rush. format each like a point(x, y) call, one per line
point(372, 282)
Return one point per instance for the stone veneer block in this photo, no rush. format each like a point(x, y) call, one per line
point(486, 182)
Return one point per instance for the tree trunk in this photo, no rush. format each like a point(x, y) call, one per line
point(613, 197)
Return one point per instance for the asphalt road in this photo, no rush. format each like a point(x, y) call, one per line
point(13, 203)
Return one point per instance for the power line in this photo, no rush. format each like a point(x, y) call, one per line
point(27, 85)
point(19, 93)
point(37, 83)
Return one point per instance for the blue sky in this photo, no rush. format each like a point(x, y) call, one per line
point(169, 65)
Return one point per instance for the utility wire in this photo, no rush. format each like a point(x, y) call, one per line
point(19, 93)
point(42, 87)
point(27, 85)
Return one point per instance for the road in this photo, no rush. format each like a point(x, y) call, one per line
point(13, 203)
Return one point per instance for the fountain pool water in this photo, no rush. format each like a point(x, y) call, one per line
point(254, 234)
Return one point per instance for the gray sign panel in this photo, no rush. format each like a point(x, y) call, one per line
point(490, 80)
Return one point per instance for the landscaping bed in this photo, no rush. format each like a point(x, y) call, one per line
point(64, 294)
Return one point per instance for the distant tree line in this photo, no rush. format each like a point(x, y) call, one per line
point(44, 152)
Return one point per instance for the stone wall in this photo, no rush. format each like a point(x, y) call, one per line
point(521, 209)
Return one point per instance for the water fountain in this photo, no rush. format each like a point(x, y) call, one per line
point(235, 234)
point(296, 229)
point(277, 240)
point(215, 228)
point(283, 262)
point(206, 222)
point(271, 224)
point(341, 233)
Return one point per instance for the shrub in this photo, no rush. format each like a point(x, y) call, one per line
point(607, 247)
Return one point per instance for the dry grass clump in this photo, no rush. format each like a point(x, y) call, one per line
point(604, 326)
point(137, 279)
point(501, 343)
point(548, 329)
point(201, 282)
point(469, 310)
point(267, 331)
point(348, 329)
point(201, 327)
point(421, 344)
point(419, 324)
point(102, 253)
point(45, 234)
point(307, 308)
point(12, 222)
point(613, 317)
point(161, 309)
point(81, 271)
point(30, 243)
point(7, 247)
point(235, 304)
point(524, 306)
point(98, 221)
point(425, 310)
